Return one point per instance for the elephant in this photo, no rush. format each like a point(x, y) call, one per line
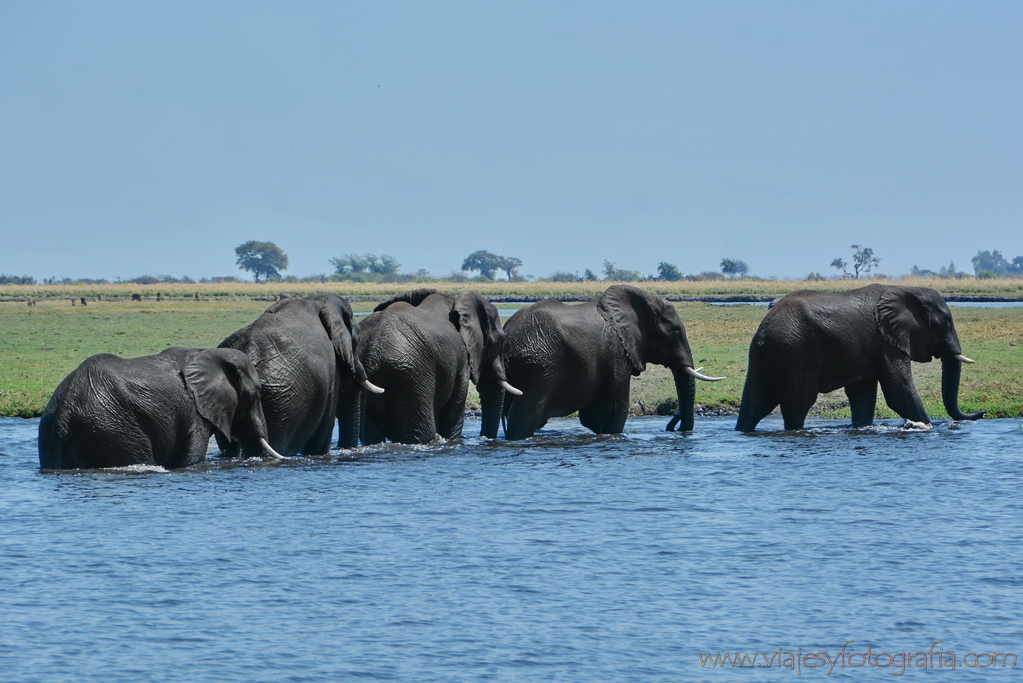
point(814, 342)
point(424, 347)
point(153, 410)
point(304, 349)
point(567, 358)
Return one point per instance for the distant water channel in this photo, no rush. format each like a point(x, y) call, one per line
point(568, 557)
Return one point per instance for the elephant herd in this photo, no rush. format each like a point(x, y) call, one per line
point(277, 387)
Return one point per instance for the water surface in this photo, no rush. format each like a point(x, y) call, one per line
point(567, 557)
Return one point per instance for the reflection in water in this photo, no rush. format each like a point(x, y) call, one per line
point(564, 557)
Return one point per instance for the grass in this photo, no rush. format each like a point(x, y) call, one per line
point(40, 345)
point(380, 291)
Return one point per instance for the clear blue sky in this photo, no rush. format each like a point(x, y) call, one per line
point(153, 137)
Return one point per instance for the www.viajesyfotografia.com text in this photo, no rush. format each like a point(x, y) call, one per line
point(897, 663)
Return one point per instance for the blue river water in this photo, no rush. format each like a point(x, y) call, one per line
point(567, 557)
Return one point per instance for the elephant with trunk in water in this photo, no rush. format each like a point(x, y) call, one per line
point(815, 342)
point(567, 358)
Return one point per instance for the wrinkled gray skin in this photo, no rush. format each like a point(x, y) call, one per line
point(423, 348)
point(815, 342)
point(304, 350)
point(153, 410)
point(566, 358)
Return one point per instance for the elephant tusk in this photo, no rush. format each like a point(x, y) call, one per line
point(696, 373)
point(963, 359)
point(268, 449)
point(509, 388)
point(370, 387)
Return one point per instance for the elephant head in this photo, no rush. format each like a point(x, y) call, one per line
point(225, 387)
point(917, 321)
point(650, 331)
point(478, 323)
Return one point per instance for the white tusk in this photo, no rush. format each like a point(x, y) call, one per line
point(268, 449)
point(370, 387)
point(696, 373)
point(963, 359)
point(509, 388)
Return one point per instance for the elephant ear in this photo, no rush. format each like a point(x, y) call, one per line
point(339, 322)
point(903, 321)
point(470, 317)
point(212, 376)
point(620, 306)
point(413, 297)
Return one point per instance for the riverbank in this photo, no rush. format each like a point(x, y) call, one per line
point(41, 344)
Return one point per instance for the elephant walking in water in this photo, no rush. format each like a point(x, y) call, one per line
point(424, 347)
point(305, 351)
point(815, 342)
point(153, 410)
point(568, 358)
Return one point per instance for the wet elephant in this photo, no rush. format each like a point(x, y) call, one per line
point(423, 348)
point(305, 351)
point(815, 342)
point(567, 358)
point(154, 410)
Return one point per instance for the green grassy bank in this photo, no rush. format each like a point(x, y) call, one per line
point(40, 345)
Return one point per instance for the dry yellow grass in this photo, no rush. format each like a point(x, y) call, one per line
point(377, 291)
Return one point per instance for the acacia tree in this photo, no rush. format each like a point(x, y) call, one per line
point(863, 262)
point(261, 258)
point(510, 264)
point(488, 264)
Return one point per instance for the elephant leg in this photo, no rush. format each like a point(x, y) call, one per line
point(372, 430)
point(900, 391)
point(604, 417)
point(862, 400)
point(451, 417)
point(525, 417)
point(794, 410)
point(755, 406)
point(349, 417)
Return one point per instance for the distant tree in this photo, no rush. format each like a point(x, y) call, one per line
point(384, 265)
point(614, 274)
point(815, 277)
point(706, 275)
point(589, 275)
point(991, 261)
point(863, 262)
point(261, 258)
point(1016, 267)
point(510, 264)
point(17, 280)
point(668, 271)
point(563, 276)
point(483, 261)
point(734, 267)
point(349, 263)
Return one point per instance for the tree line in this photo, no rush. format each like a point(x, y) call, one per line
point(268, 261)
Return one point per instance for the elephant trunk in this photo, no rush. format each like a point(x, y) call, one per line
point(951, 369)
point(492, 398)
point(685, 387)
